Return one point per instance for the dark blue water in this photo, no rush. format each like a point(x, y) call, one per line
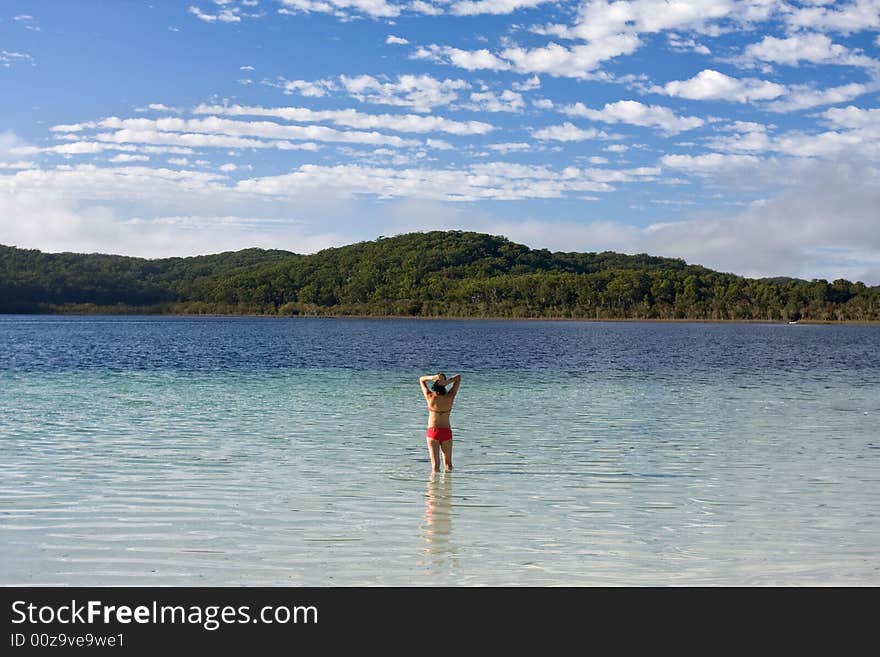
point(210, 343)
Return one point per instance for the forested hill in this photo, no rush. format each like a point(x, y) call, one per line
point(31, 280)
point(441, 273)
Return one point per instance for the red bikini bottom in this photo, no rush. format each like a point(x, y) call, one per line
point(441, 434)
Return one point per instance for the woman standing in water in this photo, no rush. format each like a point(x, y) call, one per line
point(439, 432)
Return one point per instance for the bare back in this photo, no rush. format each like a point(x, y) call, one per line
point(439, 409)
point(440, 406)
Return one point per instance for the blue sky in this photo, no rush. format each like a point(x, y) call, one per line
point(744, 136)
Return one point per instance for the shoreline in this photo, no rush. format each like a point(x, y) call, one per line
point(630, 320)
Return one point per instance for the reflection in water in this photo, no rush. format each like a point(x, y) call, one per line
point(437, 523)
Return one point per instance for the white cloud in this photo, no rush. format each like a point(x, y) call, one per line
point(223, 16)
point(427, 8)
point(826, 144)
point(678, 43)
point(439, 144)
point(827, 207)
point(804, 97)
point(487, 101)
point(853, 117)
point(19, 164)
point(73, 127)
point(246, 68)
point(787, 236)
point(12, 146)
point(636, 113)
point(27, 22)
point(8, 58)
point(228, 167)
point(420, 92)
point(807, 47)
point(80, 147)
point(219, 132)
point(856, 131)
point(510, 147)
point(494, 180)
point(578, 61)
point(470, 60)
point(180, 189)
point(530, 84)
point(181, 150)
point(157, 107)
point(600, 19)
point(606, 29)
point(381, 156)
point(89, 182)
point(396, 40)
point(83, 147)
point(352, 118)
point(846, 18)
point(800, 150)
point(345, 9)
point(196, 140)
point(709, 163)
point(567, 132)
point(310, 89)
point(341, 8)
point(54, 223)
point(709, 84)
point(125, 157)
point(476, 7)
point(747, 137)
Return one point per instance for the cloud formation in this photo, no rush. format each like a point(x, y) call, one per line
point(351, 118)
point(420, 93)
point(568, 132)
point(635, 113)
point(709, 84)
point(670, 126)
point(810, 47)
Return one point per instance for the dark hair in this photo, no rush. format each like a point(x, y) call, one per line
point(436, 387)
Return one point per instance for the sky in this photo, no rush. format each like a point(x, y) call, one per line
point(740, 135)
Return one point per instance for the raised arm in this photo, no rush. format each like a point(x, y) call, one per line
point(423, 382)
point(456, 380)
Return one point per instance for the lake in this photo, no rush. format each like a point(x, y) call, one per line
point(264, 451)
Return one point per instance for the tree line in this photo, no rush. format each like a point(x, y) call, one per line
point(434, 274)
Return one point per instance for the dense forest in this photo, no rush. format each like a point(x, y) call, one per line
point(441, 273)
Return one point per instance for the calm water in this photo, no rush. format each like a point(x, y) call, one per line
point(215, 451)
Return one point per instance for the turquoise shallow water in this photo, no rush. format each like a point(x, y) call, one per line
point(207, 464)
